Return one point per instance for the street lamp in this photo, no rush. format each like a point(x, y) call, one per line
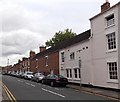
point(36, 64)
point(79, 64)
point(80, 71)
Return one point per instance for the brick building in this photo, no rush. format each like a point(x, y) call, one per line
point(47, 61)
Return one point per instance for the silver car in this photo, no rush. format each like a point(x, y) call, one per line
point(37, 77)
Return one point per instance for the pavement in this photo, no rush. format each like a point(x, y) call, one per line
point(112, 94)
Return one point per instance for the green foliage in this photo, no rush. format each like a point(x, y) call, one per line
point(60, 36)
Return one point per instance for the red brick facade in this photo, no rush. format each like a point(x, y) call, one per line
point(39, 64)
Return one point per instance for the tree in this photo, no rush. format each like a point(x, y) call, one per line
point(60, 36)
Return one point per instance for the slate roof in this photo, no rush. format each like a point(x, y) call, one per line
point(78, 38)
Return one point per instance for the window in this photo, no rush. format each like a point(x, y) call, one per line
point(110, 20)
point(111, 41)
point(69, 73)
point(62, 57)
point(77, 73)
point(72, 56)
point(113, 70)
point(46, 60)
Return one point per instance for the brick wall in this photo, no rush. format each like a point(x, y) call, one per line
point(53, 63)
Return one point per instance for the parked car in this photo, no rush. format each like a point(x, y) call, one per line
point(37, 77)
point(28, 75)
point(54, 80)
point(20, 75)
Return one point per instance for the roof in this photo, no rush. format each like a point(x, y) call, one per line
point(105, 11)
point(76, 39)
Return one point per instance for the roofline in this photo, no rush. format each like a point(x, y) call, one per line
point(105, 11)
point(57, 50)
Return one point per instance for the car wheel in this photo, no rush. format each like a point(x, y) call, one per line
point(42, 81)
point(52, 83)
point(37, 80)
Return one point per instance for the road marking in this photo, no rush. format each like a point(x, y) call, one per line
point(10, 95)
point(20, 80)
point(53, 92)
point(57, 89)
point(30, 84)
point(49, 86)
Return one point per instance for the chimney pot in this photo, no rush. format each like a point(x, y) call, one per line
point(105, 6)
point(32, 54)
point(42, 48)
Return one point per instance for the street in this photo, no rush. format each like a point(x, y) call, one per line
point(27, 90)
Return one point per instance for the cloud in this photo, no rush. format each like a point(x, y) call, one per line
point(24, 24)
point(18, 42)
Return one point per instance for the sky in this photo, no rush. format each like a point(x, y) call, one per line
point(27, 24)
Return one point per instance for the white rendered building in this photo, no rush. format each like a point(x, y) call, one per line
point(95, 59)
point(105, 31)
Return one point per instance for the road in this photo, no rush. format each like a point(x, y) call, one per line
point(27, 90)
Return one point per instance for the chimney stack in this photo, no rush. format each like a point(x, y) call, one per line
point(19, 61)
point(32, 54)
point(42, 48)
point(105, 6)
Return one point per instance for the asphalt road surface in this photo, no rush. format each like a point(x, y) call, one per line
point(27, 90)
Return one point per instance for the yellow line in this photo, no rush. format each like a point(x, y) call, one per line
point(7, 94)
point(10, 93)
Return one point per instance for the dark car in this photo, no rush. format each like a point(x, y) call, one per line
point(54, 80)
point(37, 77)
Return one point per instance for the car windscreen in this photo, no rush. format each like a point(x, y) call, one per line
point(59, 76)
point(29, 73)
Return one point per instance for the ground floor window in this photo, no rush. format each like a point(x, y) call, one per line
point(77, 73)
point(69, 73)
point(112, 66)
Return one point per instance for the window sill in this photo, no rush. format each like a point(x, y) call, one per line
point(69, 78)
point(76, 79)
point(110, 51)
point(71, 59)
point(109, 26)
point(113, 81)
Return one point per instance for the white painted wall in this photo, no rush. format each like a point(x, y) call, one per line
point(119, 46)
point(85, 57)
point(95, 58)
point(100, 54)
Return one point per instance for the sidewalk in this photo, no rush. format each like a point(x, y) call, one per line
point(115, 95)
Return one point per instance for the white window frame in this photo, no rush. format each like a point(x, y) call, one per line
point(110, 22)
point(72, 56)
point(112, 80)
point(69, 74)
point(62, 57)
point(78, 73)
point(46, 60)
point(114, 46)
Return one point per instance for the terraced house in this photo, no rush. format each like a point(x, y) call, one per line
point(105, 46)
point(93, 57)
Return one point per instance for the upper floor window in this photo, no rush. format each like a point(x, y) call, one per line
point(72, 56)
point(113, 70)
point(62, 56)
point(110, 20)
point(111, 41)
point(46, 60)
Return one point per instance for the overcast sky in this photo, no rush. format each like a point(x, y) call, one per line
point(26, 24)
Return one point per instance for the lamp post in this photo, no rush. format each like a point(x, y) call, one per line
point(37, 64)
point(79, 64)
point(80, 71)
